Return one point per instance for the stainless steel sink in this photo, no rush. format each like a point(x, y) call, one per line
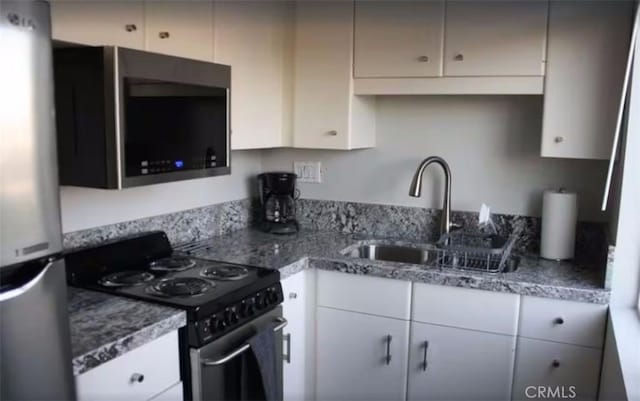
point(393, 253)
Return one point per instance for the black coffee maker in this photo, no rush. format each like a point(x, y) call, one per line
point(278, 195)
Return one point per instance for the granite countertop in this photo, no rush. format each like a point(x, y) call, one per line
point(323, 250)
point(104, 326)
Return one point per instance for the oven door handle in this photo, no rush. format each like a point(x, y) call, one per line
point(282, 322)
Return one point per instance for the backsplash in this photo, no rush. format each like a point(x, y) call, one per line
point(183, 226)
point(382, 221)
point(423, 224)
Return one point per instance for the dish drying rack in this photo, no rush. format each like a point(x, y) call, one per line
point(489, 253)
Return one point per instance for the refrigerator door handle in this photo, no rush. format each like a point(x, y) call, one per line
point(16, 292)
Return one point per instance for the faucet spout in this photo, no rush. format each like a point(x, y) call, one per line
point(415, 189)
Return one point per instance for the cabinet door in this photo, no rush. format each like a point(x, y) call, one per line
point(180, 28)
point(296, 363)
point(352, 350)
point(460, 364)
point(99, 22)
point(254, 39)
point(398, 39)
point(323, 69)
point(495, 38)
point(588, 45)
point(562, 371)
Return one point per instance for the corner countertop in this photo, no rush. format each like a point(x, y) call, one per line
point(290, 254)
point(104, 327)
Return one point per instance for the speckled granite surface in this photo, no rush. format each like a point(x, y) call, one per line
point(183, 226)
point(104, 327)
point(324, 250)
point(422, 224)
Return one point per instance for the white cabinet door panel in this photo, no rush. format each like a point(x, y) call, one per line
point(461, 364)
point(99, 22)
point(564, 369)
point(398, 38)
point(253, 37)
point(180, 28)
point(295, 363)
point(495, 38)
point(351, 351)
point(588, 45)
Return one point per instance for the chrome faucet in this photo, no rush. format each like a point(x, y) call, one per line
point(416, 189)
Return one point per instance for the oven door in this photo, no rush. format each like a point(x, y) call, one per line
point(216, 368)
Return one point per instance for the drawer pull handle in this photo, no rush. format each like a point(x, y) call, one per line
point(293, 295)
point(558, 320)
point(163, 35)
point(387, 358)
point(130, 28)
point(459, 57)
point(332, 133)
point(137, 378)
point(424, 357)
point(287, 356)
point(555, 363)
point(423, 59)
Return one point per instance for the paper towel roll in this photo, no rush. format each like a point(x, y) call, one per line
point(559, 216)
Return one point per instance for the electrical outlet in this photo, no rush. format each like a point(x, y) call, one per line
point(308, 172)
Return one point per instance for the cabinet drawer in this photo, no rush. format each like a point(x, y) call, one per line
point(556, 369)
point(358, 293)
point(466, 308)
point(157, 362)
point(563, 321)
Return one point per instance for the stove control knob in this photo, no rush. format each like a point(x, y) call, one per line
point(248, 308)
point(231, 317)
point(217, 324)
point(261, 301)
point(272, 296)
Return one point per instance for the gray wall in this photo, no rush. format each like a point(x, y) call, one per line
point(491, 142)
point(85, 208)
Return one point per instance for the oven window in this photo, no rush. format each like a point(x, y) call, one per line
point(173, 127)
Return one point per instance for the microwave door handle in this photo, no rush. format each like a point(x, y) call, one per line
point(282, 323)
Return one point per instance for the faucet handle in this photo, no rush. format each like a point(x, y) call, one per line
point(455, 226)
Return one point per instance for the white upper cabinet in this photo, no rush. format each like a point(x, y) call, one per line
point(177, 28)
point(495, 38)
point(327, 115)
point(255, 39)
point(180, 28)
point(398, 38)
point(588, 46)
point(99, 22)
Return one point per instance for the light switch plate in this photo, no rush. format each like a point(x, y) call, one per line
point(308, 171)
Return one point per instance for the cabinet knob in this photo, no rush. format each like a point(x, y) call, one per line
point(459, 57)
point(558, 320)
point(137, 378)
point(130, 28)
point(332, 133)
point(423, 59)
point(558, 139)
point(293, 295)
point(555, 363)
point(163, 35)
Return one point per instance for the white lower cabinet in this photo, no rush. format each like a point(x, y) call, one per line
point(139, 375)
point(551, 370)
point(298, 363)
point(447, 363)
point(360, 356)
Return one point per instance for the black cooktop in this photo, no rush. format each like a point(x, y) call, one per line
point(145, 267)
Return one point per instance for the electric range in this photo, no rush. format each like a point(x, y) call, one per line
point(218, 297)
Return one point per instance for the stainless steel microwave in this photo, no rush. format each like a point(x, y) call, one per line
point(127, 118)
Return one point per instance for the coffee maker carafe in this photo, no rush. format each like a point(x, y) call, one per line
point(278, 196)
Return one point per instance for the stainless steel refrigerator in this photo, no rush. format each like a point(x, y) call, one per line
point(35, 351)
